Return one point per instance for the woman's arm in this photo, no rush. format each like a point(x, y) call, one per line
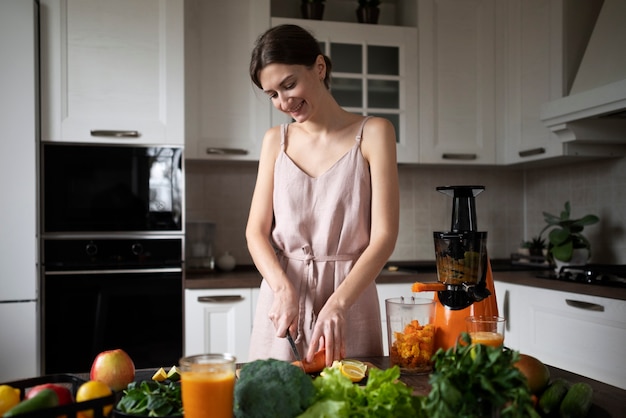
point(379, 149)
point(285, 306)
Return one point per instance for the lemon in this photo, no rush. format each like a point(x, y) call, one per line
point(352, 372)
point(356, 363)
point(9, 397)
point(160, 375)
point(93, 389)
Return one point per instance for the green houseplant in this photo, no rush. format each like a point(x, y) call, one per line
point(566, 234)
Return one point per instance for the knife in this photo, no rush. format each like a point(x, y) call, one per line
point(294, 349)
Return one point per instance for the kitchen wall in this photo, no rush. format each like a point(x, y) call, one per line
point(513, 198)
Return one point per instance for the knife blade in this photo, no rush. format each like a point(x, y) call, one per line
point(294, 349)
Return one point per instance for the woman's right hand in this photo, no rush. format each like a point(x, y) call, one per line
point(284, 311)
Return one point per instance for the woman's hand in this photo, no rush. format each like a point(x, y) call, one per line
point(329, 333)
point(284, 311)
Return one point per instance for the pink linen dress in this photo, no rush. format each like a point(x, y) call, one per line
point(322, 225)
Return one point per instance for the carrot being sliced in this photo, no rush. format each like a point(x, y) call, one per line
point(315, 366)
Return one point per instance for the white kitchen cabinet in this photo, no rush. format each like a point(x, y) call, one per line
point(575, 332)
point(457, 81)
point(374, 73)
point(218, 321)
point(535, 74)
point(112, 72)
point(226, 115)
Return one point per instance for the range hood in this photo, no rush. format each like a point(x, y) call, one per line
point(595, 110)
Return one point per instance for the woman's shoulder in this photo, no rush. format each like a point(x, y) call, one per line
point(271, 142)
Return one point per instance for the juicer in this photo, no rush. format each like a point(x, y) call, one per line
point(464, 284)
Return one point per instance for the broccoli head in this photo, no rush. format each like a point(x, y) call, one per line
point(273, 389)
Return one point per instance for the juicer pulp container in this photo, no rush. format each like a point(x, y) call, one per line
point(461, 257)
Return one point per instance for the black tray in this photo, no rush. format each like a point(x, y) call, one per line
point(72, 383)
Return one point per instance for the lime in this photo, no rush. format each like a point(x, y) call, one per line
point(173, 374)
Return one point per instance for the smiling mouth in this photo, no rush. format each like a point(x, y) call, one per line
point(296, 108)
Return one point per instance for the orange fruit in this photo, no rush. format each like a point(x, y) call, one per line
point(537, 373)
point(93, 389)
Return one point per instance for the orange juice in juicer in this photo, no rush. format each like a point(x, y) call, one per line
point(464, 285)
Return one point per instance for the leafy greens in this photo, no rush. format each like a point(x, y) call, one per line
point(383, 396)
point(151, 398)
point(476, 380)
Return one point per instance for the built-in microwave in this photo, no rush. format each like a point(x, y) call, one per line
point(111, 188)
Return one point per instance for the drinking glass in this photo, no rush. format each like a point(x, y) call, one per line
point(208, 385)
point(486, 330)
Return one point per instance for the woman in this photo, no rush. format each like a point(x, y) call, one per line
point(324, 214)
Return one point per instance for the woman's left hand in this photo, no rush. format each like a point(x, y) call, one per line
point(328, 333)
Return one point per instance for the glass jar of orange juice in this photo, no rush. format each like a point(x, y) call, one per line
point(208, 385)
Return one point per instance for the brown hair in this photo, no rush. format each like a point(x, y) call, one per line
point(286, 44)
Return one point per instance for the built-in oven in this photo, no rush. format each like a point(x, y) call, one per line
point(100, 294)
point(111, 188)
point(111, 251)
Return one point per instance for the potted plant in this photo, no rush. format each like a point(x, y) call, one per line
point(535, 247)
point(566, 238)
point(312, 9)
point(368, 11)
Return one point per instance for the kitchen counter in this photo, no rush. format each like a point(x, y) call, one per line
point(608, 401)
point(249, 277)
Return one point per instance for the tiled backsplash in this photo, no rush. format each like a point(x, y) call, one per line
point(510, 209)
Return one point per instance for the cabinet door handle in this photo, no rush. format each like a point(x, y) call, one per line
point(465, 157)
point(220, 298)
point(115, 134)
point(531, 152)
point(584, 305)
point(506, 308)
point(226, 151)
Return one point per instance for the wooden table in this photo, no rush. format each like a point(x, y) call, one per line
point(608, 401)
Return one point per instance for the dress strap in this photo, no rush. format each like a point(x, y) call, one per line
point(283, 135)
point(360, 134)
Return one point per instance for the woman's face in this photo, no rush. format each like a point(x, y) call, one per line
point(293, 89)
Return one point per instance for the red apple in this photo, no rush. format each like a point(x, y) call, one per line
point(63, 393)
point(113, 367)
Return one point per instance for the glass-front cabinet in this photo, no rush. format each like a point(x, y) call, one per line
point(374, 73)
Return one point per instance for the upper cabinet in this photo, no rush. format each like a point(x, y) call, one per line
point(374, 73)
point(226, 115)
point(112, 71)
point(457, 81)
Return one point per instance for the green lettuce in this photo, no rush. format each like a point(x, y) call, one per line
point(384, 395)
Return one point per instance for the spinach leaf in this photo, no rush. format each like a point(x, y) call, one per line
point(150, 398)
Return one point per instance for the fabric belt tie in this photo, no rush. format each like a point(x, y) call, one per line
point(310, 280)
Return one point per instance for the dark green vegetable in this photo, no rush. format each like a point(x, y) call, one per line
point(46, 398)
point(577, 401)
point(383, 396)
point(151, 398)
point(476, 380)
point(552, 397)
point(273, 389)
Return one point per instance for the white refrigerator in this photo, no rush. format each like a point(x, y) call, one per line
point(19, 132)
